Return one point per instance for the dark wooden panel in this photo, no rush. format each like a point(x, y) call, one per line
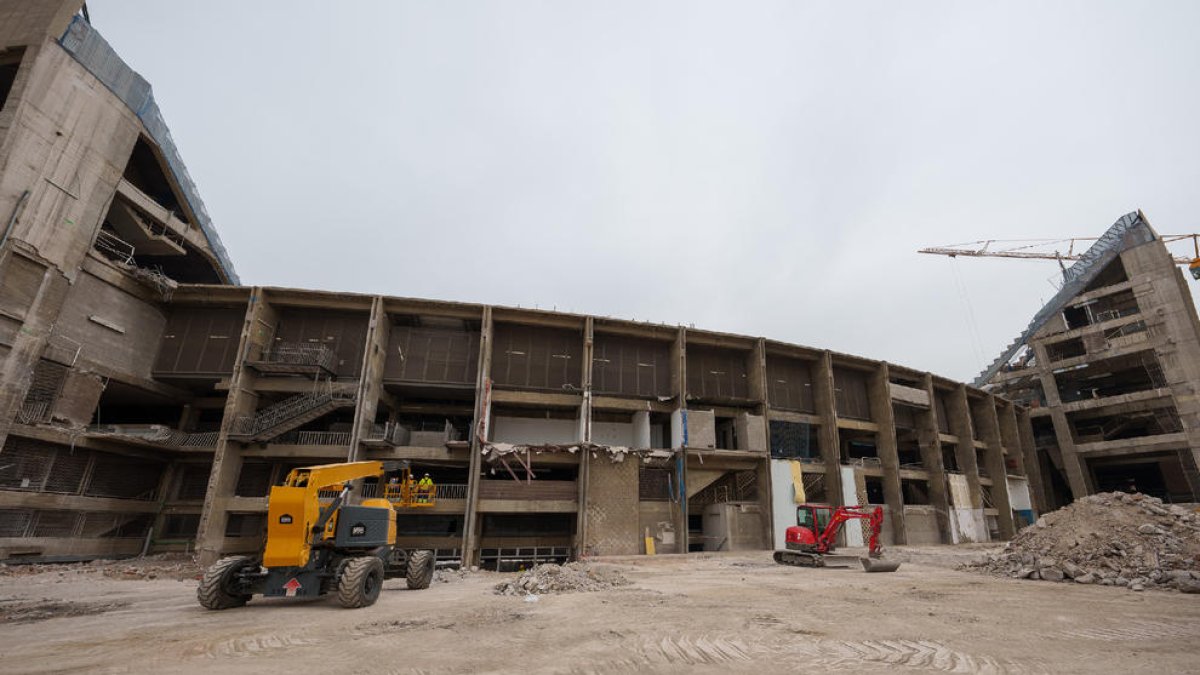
point(432, 354)
point(199, 341)
point(789, 384)
point(536, 357)
point(850, 388)
point(342, 332)
point(632, 367)
point(714, 373)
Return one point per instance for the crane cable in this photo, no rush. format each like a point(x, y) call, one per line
point(972, 326)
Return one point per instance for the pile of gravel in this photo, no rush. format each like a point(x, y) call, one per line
point(1111, 539)
point(569, 578)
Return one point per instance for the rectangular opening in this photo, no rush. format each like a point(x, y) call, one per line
point(874, 486)
point(794, 440)
point(10, 63)
point(950, 457)
point(914, 492)
point(858, 447)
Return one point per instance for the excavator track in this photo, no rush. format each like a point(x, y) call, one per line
point(799, 559)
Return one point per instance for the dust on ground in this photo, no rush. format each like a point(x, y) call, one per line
point(176, 566)
point(1112, 539)
point(726, 613)
point(15, 610)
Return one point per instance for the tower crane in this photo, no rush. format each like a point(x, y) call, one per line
point(1050, 249)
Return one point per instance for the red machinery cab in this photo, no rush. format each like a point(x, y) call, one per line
point(812, 520)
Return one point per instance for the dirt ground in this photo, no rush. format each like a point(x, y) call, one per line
point(706, 613)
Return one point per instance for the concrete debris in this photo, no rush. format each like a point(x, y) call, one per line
point(174, 566)
point(1108, 539)
point(616, 453)
point(569, 578)
point(450, 576)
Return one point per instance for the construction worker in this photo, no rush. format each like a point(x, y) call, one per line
point(424, 487)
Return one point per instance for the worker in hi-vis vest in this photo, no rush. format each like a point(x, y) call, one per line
point(424, 487)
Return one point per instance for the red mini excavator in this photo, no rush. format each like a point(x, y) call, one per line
point(813, 540)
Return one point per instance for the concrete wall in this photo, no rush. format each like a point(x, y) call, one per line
point(533, 430)
point(116, 330)
point(613, 510)
point(922, 524)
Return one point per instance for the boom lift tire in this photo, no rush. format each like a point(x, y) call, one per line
point(216, 589)
point(361, 581)
point(420, 570)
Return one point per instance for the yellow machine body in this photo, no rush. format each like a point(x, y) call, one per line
point(294, 509)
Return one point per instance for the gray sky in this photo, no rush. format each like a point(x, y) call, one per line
point(759, 168)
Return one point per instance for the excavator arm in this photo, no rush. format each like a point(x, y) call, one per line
point(874, 516)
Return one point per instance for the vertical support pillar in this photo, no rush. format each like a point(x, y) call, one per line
point(826, 405)
point(1033, 468)
point(757, 379)
point(679, 390)
point(257, 332)
point(961, 426)
point(931, 457)
point(479, 431)
point(993, 455)
point(1072, 463)
point(889, 453)
point(370, 380)
point(585, 424)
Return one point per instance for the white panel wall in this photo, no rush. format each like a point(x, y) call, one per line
point(533, 430)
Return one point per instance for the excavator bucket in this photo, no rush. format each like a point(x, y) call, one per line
point(879, 564)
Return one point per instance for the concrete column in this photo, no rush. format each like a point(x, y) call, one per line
point(757, 379)
point(931, 457)
point(989, 431)
point(585, 424)
point(257, 332)
point(479, 430)
point(1038, 489)
point(28, 343)
point(961, 426)
point(1072, 463)
point(888, 448)
point(826, 405)
point(370, 382)
point(679, 389)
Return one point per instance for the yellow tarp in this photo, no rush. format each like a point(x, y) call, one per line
point(798, 482)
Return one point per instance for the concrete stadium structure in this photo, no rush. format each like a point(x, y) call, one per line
point(1109, 368)
point(147, 401)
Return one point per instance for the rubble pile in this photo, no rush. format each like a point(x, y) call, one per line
point(1111, 539)
point(569, 578)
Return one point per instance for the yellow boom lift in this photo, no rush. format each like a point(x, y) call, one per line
point(314, 548)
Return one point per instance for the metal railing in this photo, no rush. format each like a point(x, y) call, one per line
point(288, 409)
point(160, 435)
point(314, 438)
point(300, 354)
point(388, 432)
point(114, 248)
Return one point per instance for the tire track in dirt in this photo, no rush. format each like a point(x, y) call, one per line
point(928, 655)
point(1138, 631)
point(821, 654)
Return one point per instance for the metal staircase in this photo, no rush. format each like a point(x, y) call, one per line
point(288, 414)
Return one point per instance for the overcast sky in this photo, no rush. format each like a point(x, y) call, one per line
point(759, 168)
